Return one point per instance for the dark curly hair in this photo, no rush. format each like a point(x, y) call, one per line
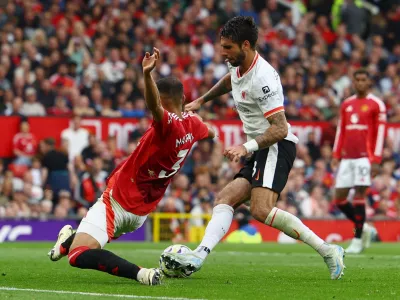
point(240, 29)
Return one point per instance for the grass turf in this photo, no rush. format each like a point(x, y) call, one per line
point(263, 271)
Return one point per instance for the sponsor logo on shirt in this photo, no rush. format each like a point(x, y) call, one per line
point(354, 118)
point(266, 89)
point(187, 138)
point(267, 96)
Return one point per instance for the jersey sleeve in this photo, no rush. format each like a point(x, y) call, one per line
point(201, 129)
point(337, 146)
point(376, 133)
point(163, 126)
point(268, 93)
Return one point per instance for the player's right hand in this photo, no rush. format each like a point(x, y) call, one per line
point(149, 61)
point(375, 170)
point(194, 105)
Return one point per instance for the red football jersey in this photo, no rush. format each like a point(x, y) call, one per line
point(139, 183)
point(361, 129)
point(25, 142)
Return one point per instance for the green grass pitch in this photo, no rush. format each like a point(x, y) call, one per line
point(263, 271)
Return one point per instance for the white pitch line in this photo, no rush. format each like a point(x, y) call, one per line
point(286, 254)
point(5, 288)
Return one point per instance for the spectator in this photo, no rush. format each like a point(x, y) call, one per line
point(25, 145)
point(83, 109)
point(89, 152)
point(31, 107)
point(93, 183)
point(56, 166)
point(76, 137)
point(60, 108)
point(114, 67)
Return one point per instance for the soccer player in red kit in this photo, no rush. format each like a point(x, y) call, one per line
point(136, 186)
point(359, 145)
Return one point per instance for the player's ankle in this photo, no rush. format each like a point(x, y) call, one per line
point(202, 252)
point(324, 249)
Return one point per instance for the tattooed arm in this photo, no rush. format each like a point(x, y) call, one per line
point(223, 86)
point(275, 133)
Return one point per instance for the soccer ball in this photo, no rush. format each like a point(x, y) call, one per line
point(170, 272)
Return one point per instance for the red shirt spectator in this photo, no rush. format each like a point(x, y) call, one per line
point(60, 108)
point(24, 142)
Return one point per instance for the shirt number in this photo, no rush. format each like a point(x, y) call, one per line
point(181, 154)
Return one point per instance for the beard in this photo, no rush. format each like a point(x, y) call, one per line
point(240, 58)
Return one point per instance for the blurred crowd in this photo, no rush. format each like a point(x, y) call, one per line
point(83, 58)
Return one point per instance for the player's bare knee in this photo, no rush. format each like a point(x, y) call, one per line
point(360, 191)
point(220, 199)
point(341, 194)
point(84, 240)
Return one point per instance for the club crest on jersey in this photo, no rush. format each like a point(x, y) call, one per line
point(243, 95)
point(187, 138)
point(354, 118)
point(151, 173)
point(364, 108)
point(266, 89)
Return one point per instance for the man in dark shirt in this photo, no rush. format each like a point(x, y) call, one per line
point(56, 164)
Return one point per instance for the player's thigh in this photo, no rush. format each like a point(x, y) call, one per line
point(263, 200)
point(94, 226)
point(270, 177)
point(362, 170)
point(345, 175)
point(84, 239)
point(234, 193)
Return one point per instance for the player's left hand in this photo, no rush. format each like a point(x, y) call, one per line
point(149, 61)
point(235, 153)
point(375, 169)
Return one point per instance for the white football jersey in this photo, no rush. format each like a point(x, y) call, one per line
point(258, 94)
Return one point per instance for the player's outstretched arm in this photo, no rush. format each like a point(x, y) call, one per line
point(275, 133)
point(223, 86)
point(151, 94)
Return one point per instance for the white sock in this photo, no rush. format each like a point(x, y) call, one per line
point(216, 229)
point(293, 227)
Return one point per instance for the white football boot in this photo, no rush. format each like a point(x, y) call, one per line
point(188, 262)
point(368, 234)
point(150, 276)
point(356, 246)
point(334, 261)
point(63, 235)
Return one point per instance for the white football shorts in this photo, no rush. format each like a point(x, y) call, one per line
point(107, 220)
point(353, 172)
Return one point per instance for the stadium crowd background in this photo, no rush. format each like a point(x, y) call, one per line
point(83, 58)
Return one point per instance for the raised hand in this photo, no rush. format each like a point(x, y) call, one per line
point(194, 105)
point(149, 61)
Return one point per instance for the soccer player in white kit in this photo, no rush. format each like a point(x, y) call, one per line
point(270, 151)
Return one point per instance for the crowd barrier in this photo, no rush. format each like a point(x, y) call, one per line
point(189, 228)
point(229, 132)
